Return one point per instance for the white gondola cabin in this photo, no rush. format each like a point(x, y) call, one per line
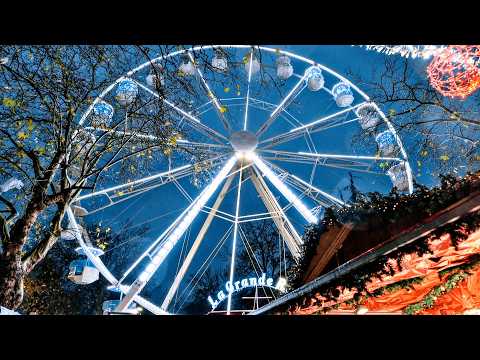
point(155, 78)
point(83, 271)
point(219, 62)
point(368, 116)
point(342, 94)
point(387, 144)
point(255, 65)
point(81, 149)
point(314, 79)
point(187, 68)
point(398, 176)
point(284, 68)
point(102, 114)
point(127, 91)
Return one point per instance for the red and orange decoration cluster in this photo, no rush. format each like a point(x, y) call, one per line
point(464, 297)
point(455, 71)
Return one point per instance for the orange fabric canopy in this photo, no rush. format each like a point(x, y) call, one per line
point(465, 296)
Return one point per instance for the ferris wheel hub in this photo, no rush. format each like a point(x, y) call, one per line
point(244, 141)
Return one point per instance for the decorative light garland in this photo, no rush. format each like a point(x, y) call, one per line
point(413, 51)
point(451, 283)
point(455, 71)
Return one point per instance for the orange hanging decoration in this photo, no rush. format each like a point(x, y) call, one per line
point(455, 71)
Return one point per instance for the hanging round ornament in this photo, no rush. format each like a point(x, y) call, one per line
point(455, 72)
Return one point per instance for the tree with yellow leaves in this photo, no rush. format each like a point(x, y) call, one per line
point(44, 92)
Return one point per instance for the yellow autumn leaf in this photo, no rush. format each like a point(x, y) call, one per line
point(223, 109)
point(22, 136)
point(172, 140)
point(227, 89)
point(424, 153)
point(238, 93)
point(444, 157)
point(30, 125)
point(9, 102)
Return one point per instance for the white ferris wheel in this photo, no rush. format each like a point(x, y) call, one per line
point(277, 150)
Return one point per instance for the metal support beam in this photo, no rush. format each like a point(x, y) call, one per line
point(196, 244)
point(283, 105)
point(183, 222)
point(285, 228)
point(218, 106)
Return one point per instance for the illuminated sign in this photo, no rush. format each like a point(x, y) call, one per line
point(233, 287)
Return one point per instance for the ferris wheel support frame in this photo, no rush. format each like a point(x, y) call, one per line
point(183, 223)
point(285, 228)
point(196, 244)
point(303, 130)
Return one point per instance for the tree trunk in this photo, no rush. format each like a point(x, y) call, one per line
point(11, 266)
point(11, 277)
point(39, 252)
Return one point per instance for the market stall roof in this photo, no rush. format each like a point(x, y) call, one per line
point(444, 255)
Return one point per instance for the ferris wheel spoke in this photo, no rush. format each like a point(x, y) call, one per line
point(247, 100)
point(151, 181)
point(337, 163)
point(284, 226)
point(348, 162)
point(349, 157)
point(354, 159)
point(289, 195)
point(193, 121)
point(218, 106)
point(235, 235)
point(180, 143)
point(174, 234)
point(321, 197)
point(324, 123)
point(296, 90)
point(202, 146)
point(151, 248)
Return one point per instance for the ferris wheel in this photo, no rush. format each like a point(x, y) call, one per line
point(276, 154)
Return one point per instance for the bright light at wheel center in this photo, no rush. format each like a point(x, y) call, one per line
point(244, 143)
